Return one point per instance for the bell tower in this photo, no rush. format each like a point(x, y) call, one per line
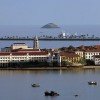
point(36, 43)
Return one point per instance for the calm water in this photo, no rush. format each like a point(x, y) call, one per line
point(16, 85)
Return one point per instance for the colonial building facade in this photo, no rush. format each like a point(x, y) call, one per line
point(15, 57)
point(90, 53)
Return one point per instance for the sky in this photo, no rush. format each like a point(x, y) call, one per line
point(41, 12)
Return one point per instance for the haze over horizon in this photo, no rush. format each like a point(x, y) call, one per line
point(41, 12)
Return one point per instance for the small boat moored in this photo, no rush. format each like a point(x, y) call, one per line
point(76, 95)
point(35, 85)
point(92, 83)
point(51, 93)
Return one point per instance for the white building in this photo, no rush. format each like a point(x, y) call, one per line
point(90, 53)
point(55, 57)
point(96, 59)
point(11, 57)
point(62, 35)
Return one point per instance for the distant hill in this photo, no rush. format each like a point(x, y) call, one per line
point(50, 25)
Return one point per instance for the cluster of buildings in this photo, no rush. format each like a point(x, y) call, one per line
point(20, 52)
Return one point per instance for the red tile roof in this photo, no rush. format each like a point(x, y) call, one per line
point(97, 46)
point(38, 53)
point(4, 53)
point(28, 50)
point(23, 53)
point(93, 50)
point(70, 55)
point(17, 53)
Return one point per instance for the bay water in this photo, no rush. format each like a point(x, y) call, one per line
point(16, 84)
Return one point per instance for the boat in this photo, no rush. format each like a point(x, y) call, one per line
point(35, 85)
point(92, 83)
point(76, 95)
point(51, 93)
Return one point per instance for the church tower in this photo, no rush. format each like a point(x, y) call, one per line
point(36, 43)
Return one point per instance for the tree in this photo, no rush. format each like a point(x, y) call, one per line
point(71, 48)
point(89, 62)
point(66, 63)
point(82, 61)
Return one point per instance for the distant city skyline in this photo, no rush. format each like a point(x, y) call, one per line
point(41, 12)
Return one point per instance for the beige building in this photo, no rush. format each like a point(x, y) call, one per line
point(70, 57)
point(80, 53)
point(19, 45)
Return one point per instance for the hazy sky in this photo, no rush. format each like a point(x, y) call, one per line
point(40, 12)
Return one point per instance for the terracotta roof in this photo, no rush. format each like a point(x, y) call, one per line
point(4, 53)
point(82, 47)
point(97, 46)
point(70, 55)
point(17, 53)
point(93, 50)
point(38, 53)
point(23, 53)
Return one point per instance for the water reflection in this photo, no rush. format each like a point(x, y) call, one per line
point(60, 71)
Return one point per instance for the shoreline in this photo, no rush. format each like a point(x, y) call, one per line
point(52, 68)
